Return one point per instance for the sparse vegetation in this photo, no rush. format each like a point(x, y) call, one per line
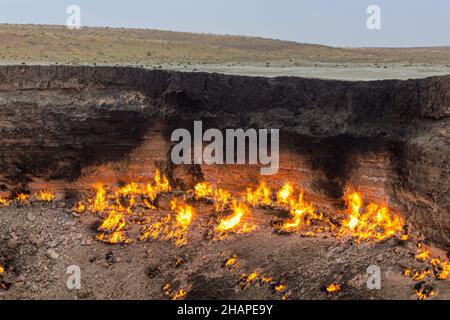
point(57, 44)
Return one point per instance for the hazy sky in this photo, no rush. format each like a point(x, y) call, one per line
point(331, 22)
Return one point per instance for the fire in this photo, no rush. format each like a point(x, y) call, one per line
point(424, 291)
point(161, 184)
point(4, 202)
point(126, 197)
point(259, 196)
point(372, 222)
point(246, 280)
point(80, 207)
point(46, 196)
point(2, 270)
point(279, 287)
point(231, 222)
point(173, 295)
point(183, 212)
point(99, 203)
point(436, 268)
point(299, 210)
point(113, 226)
point(442, 268)
point(221, 198)
point(114, 221)
point(169, 227)
point(333, 287)
point(422, 253)
point(113, 238)
point(284, 194)
point(23, 198)
point(202, 190)
point(231, 262)
point(151, 190)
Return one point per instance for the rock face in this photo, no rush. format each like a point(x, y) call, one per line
point(64, 128)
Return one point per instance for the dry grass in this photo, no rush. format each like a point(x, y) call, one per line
point(57, 44)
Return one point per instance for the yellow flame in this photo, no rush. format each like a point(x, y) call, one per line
point(298, 209)
point(161, 183)
point(113, 238)
point(114, 221)
point(221, 198)
point(279, 287)
point(259, 196)
point(422, 253)
point(80, 207)
point(442, 268)
point(374, 222)
point(202, 190)
point(231, 261)
point(424, 293)
point(233, 221)
point(23, 198)
point(183, 212)
point(46, 196)
point(4, 202)
point(333, 287)
point(170, 228)
point(284, 194)
point(99, 203)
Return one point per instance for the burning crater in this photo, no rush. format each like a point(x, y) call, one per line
point(365, 162)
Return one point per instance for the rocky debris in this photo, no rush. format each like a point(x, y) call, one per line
point(110, 258)
point(52, 254)
point(31, 217)
point(298, 267)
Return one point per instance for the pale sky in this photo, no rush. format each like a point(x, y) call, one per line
point(404, 23)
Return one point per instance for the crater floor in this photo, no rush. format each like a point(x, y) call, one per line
point(39, 242)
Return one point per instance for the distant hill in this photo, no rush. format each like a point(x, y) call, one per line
point(57, 44)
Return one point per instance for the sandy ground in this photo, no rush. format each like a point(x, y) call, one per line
point(39, 243)
point(348, 72)
point(336, 72)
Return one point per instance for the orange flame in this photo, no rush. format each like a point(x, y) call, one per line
point(46, 196)
point(333, 287)
point(233, 221)
point(23, 198)
point(4, 202)
point(99, 203)
point(202, 190)
point(284, 194)
point(259, 196)
point(299, 210)
point(221, 198)
point(374, 222)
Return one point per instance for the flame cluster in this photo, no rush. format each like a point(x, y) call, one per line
point(432, 268)
point(24, 199)
point(372, 222)
point(117, 206)
point(218, 196)
point(233, 221)
point(173, 294)
point(333, 287)
point(174, 226)
point(435, 269)
point(255, 278)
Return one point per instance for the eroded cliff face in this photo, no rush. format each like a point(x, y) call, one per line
point(64, 128)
